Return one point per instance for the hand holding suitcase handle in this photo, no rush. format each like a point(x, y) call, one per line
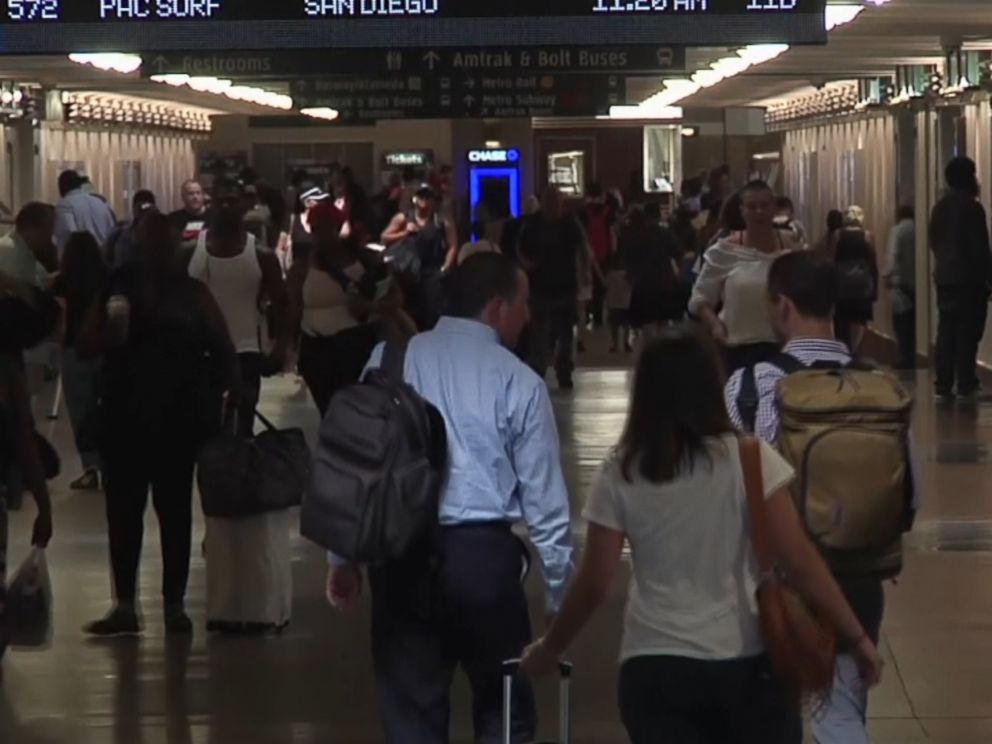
point(511, 668)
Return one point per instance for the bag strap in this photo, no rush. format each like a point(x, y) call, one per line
point(754, 486)
point(394, 358)
point(747, 397)
point(265, 422)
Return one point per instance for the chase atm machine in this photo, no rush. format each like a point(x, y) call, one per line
point(494, 183)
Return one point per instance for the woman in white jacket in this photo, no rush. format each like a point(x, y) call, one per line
point(729, 294)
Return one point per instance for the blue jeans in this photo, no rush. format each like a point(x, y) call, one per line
point(843, 720)
point(80, 383)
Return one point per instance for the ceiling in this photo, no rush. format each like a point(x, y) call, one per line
point(897, 33)
point(58, 72)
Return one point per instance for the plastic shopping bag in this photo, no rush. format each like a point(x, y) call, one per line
point(29, 604)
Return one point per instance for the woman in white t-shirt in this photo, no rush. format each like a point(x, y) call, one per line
point(693, 659)
point(729, 296)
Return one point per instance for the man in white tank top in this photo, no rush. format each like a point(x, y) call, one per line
point(244, 278)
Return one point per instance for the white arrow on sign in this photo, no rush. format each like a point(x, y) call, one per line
point(469, 100)
point(431, 59)
point(470, 83)
point(160, 63)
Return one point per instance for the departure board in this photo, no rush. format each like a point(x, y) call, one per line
point(57, 26)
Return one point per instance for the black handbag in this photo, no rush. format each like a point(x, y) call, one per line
point(244, 476)
point(855, 282)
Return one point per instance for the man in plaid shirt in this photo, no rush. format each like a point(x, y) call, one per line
point(802, 292)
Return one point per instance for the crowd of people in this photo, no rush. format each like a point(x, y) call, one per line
point(169, 323)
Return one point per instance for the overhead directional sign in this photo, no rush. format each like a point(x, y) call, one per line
point(642, 59)
point(61, 26)
point(463, 97)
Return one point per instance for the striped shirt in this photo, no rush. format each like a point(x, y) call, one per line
point(809, 351)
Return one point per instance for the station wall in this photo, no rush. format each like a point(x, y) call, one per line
point(834, 165)
point(118, 162)
point(235, 134)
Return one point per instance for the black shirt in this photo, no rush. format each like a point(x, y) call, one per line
point(551, 247)
point(189, 225)
point(164, 380)
point(959, 239)
point(78, 301)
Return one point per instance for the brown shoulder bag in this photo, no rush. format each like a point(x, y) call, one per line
point(801, 646)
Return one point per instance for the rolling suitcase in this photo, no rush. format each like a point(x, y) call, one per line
point(510, 670)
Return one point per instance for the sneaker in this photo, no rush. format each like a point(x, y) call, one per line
point(120, 622)
point(581, 348)
point(88, 481)
point(177, 622)
point(566, 383)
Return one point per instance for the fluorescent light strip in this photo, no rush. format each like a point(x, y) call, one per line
point(130, 63)
point(675, 90)
point(320, 113)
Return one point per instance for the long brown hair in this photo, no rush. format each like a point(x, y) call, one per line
point(677, 404)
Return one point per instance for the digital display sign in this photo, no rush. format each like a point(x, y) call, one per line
point(58, 26)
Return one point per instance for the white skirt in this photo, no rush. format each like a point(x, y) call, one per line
point(249, 570)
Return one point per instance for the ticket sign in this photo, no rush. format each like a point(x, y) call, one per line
point(59, 26)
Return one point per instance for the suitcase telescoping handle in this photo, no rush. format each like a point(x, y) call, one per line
point(511, 669)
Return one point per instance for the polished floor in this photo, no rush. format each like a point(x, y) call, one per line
point(314, 683)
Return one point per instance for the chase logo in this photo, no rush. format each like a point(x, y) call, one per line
point(494, 156)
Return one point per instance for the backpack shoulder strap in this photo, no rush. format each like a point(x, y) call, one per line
point(748, 399)
point(394, 358)
point(787, 363)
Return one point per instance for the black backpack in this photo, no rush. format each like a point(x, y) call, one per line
point(377, 470)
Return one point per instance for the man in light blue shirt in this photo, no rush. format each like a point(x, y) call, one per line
point(503, 468)
point(81, 211)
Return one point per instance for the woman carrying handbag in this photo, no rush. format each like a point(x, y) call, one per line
point(709, 651)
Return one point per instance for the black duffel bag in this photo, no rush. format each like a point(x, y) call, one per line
point(242, 477)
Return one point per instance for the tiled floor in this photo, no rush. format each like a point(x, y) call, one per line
point(314, 684)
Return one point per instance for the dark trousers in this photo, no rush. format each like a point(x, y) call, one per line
point(747, 355)
point(250, 364)
point(867, 600)
point(329, 363)
point(552, 332)
point(477, 620)
point(904, 325)
point(963, 310)
point(130, 468)
point(677, 700)
point(3, 572)
point(598, 301)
